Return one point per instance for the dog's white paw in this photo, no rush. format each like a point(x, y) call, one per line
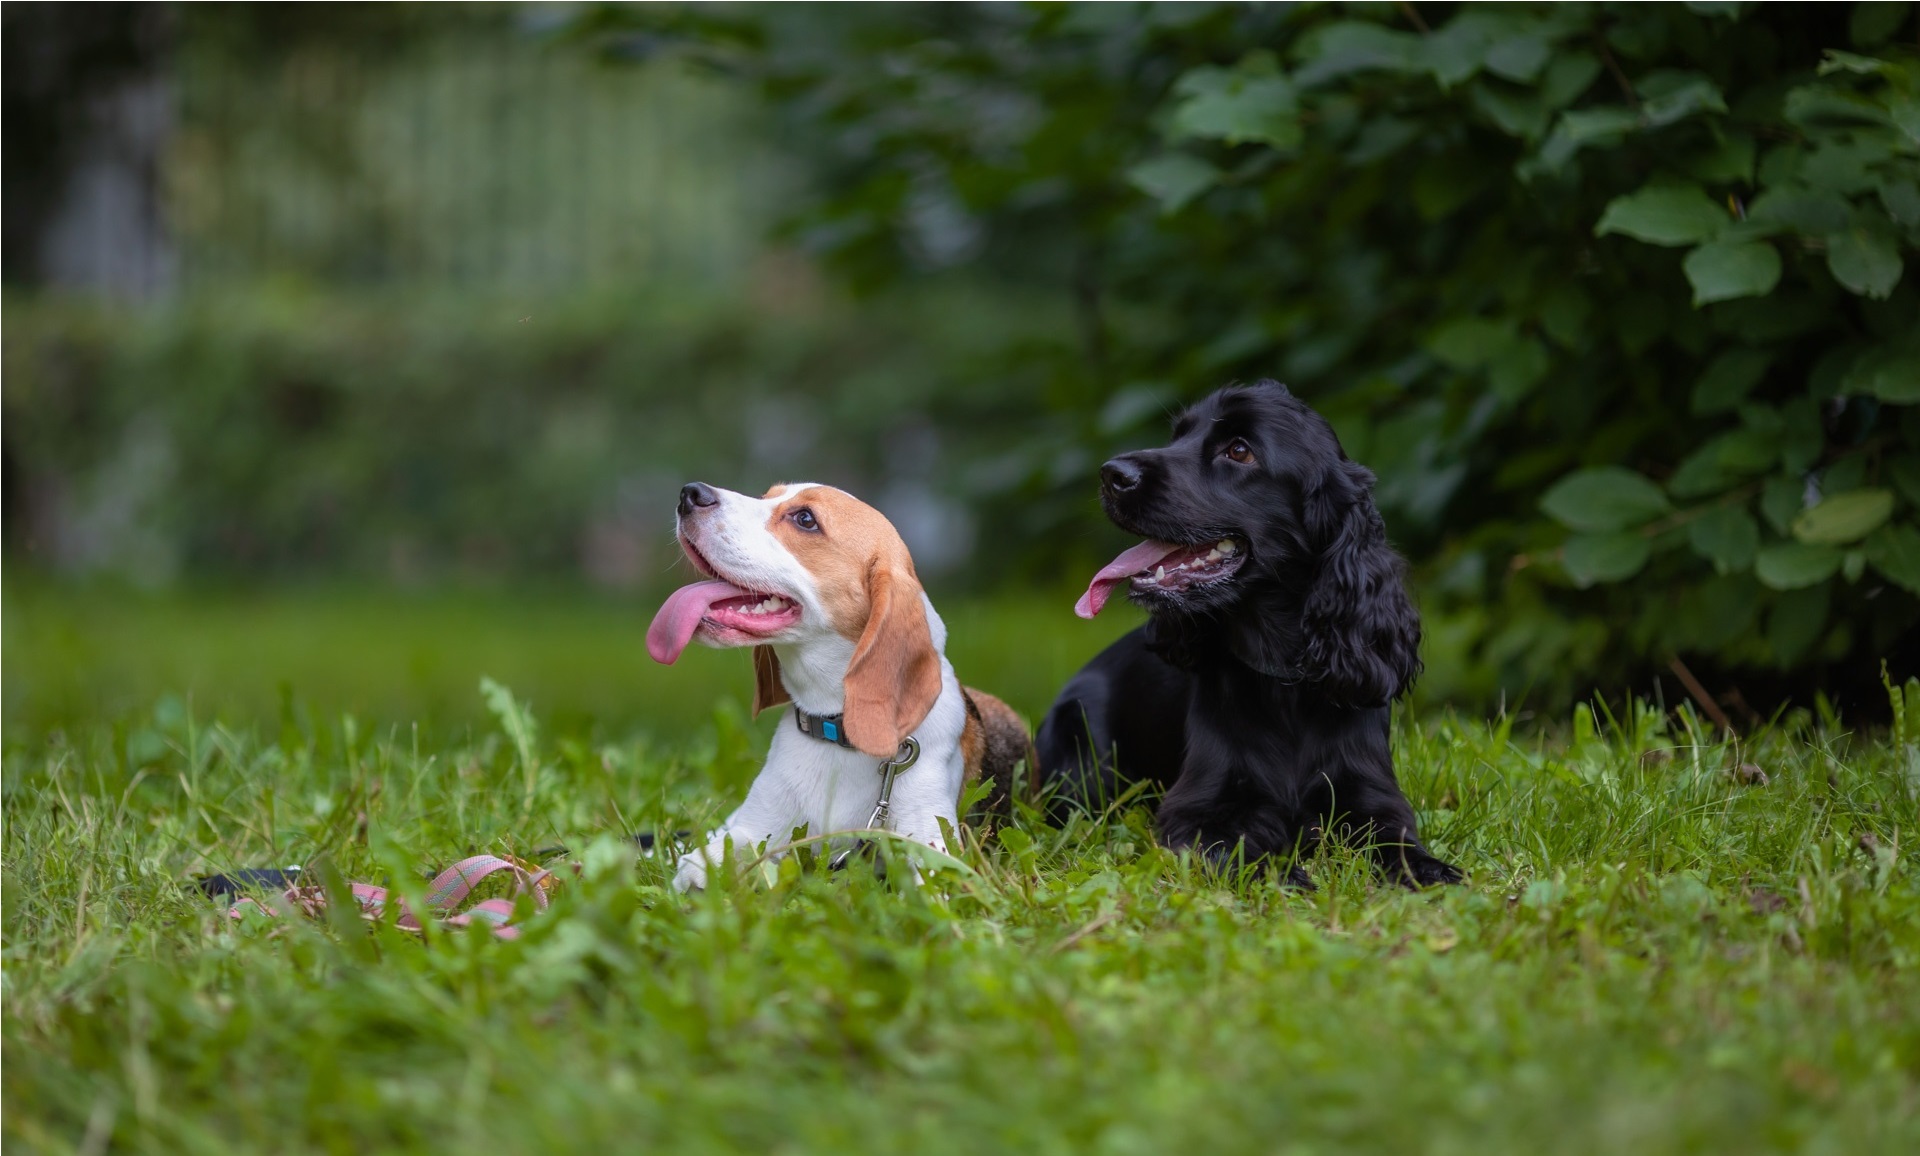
point(691, 875)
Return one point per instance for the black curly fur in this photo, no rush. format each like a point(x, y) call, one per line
point(1262, 701)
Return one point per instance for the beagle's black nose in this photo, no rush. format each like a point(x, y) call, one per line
point(696, 496)
point(1119, 476)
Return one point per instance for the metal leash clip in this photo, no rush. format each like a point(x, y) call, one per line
point(889, 770)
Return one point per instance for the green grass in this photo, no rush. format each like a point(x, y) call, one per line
point(1650, 957)
point(400, 659)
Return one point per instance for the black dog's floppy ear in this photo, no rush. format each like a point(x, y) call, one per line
point(1359, 634)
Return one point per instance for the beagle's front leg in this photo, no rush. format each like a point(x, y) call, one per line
point(765, 816)
point(921, 805)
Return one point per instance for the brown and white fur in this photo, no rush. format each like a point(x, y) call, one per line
point(822, 587)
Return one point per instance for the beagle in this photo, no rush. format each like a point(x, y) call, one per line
point(821, 586)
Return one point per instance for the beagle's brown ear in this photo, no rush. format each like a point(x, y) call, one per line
point(894, 677)
point(768, 690)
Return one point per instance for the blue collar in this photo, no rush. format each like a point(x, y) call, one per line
point(828, 728)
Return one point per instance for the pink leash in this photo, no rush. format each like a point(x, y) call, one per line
point(443, 895)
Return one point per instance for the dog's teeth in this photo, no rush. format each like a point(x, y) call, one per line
point(1229, 547)
point(1160, 574)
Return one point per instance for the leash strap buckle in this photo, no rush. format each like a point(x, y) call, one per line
point(889, 770)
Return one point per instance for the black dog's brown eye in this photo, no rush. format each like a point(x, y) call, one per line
point(1239, 451)
point(804, 519)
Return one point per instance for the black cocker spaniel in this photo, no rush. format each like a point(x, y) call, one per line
point(1259, 693)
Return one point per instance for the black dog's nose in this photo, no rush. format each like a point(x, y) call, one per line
point(1119, 475)
point(697, 496)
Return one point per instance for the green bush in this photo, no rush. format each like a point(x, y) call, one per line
point(1610, 296)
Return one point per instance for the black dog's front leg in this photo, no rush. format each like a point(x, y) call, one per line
point(1384, 823)
point(1225, 818)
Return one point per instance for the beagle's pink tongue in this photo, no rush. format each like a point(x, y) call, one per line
point(1145, 556)
point(673, 627)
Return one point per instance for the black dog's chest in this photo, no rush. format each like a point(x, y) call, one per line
point(1252, 739)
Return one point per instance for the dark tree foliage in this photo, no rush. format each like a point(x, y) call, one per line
point(58, 61)
point(1611, 296)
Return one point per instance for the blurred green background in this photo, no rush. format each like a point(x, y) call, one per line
point(353, 352)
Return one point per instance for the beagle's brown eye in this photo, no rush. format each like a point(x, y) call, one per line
point(1239, 451)
point(804, 519)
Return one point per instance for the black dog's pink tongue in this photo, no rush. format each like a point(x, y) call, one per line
point(1145, 556)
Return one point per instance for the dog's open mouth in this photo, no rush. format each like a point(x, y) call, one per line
point(1165, 567)
point(718, 610)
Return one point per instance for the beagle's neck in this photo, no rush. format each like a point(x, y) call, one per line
point(814, 673)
